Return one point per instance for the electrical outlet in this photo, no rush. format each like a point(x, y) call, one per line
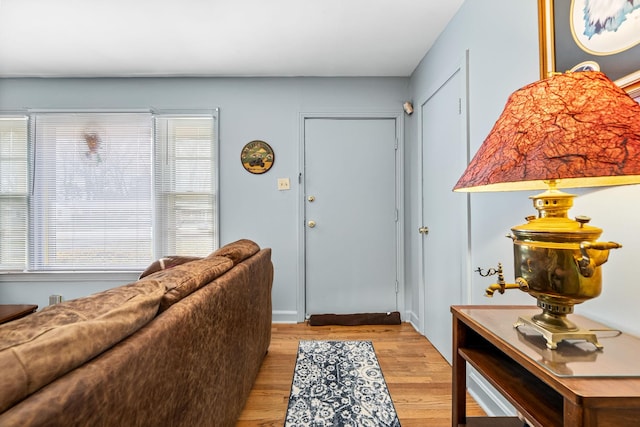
point(55, 299)
point(283, 184)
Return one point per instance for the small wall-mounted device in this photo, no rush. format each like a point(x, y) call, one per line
point(408, 108)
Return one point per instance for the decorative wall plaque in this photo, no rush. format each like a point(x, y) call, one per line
point(257, 156)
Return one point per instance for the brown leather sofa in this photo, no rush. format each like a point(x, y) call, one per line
point(179, 347)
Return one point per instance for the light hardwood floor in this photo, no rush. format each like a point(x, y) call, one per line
point(418, 377)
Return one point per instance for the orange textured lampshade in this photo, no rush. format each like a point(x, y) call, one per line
point(579, 129)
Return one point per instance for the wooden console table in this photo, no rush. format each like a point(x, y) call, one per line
point(15, 311)
point(575, 385)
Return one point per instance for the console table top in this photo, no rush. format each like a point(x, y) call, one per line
point(572, 362)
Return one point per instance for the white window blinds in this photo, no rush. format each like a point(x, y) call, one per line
point(92, 204)
point(13, 192)
point(185, 163)
point(101, 191)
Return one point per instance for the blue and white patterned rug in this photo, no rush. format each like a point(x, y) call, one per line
point(339, 383)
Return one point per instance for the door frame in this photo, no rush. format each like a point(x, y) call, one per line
point(461, 67)
point(399, 185)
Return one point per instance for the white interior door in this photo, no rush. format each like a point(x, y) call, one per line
point(350, 215)
point(445, 254)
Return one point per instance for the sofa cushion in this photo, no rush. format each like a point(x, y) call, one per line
point(166, 263)
point(43, 346)
point(184, 279)
point(238, 251)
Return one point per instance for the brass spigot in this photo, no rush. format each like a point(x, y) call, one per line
point(501, 285)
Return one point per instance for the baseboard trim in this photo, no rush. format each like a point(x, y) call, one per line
point(489, 399)
point(284, 316)
point(413, 319)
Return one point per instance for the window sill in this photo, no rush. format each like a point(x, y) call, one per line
point(70, 276)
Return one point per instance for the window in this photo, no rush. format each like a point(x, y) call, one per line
point(13, 192)
point(185, 191)
point(108, 191)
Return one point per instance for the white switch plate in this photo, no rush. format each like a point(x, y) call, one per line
point(283, 184)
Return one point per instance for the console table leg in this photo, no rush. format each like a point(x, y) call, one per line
point(459, 372)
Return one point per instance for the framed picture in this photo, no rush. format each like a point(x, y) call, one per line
point(591, 34)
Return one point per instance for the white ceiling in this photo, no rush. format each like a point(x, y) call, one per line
point(89, 38)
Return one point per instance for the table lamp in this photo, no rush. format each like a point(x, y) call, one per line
point(570, 130)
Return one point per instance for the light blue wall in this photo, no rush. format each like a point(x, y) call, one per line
point(250, 108)
point(501, 38)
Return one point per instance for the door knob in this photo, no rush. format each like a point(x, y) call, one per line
point(311, 198)
point(423, 230)
point(311, 224)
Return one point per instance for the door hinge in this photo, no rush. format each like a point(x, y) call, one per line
point(397, 286)
point(459, 105)
point(397, 215)
point(395, 147)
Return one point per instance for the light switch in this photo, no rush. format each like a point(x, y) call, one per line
point(283, 184)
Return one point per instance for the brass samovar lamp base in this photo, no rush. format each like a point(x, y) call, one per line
point(555, 327)
point(557, 261)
